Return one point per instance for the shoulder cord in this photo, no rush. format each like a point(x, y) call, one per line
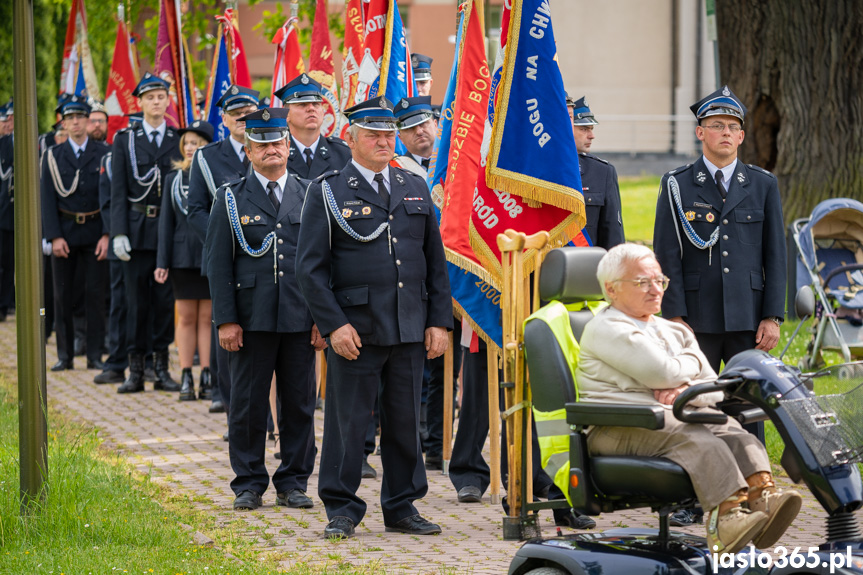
point(108, 163)
point(330, 201)
point(269, 239)
point(153, 175)
point(4, 174)
point(180, 194)
point(208, 174)
point(677, 207)
point(57, 179)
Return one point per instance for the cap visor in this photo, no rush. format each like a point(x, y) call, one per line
point(386, 125)
point(421, 76)
point(415, 120)
point(311, 98)
point(269, 136)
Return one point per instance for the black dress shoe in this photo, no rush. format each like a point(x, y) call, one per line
point(295, 498)
point(575, 521)
point(414, 525)
point(247, 500)
point(217, 406)
point(187, 385)
point(110, 376)
point(369, 472)
point(95, 364)
point(434, 462)
point(339, 527)
point(469, 494)
point(62, 366)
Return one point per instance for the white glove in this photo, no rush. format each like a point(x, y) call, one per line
point(122, 248)
point(46, 247)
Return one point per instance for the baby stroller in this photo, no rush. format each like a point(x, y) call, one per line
point(830, 259)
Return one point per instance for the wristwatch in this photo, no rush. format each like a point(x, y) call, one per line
point(776, 320)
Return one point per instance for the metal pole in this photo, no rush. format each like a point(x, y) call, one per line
point(29, 308)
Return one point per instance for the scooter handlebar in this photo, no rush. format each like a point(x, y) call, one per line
point(689, 415)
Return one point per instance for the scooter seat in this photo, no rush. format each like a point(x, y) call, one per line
point(632, 477)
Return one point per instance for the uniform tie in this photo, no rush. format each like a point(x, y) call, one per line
point(722, 190)
point(79, 152)
point(308, 153)
point(154, 138)
point(245, 159)
point(271, 190)
point(382, 189)
point(425, 163)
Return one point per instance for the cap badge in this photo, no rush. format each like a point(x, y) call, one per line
point(384, 104)
point(245, 220)
point(367, 210)
point(404, 103)
point(701, 177)
point(304, 79)
point(235, 90)
point(584, 101)
point(265, 116)
point(690, 215)
point(196, 124)
point(726, 91)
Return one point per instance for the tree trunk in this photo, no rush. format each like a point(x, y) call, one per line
point(797, 65)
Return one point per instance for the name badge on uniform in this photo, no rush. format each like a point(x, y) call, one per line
point(354, 203)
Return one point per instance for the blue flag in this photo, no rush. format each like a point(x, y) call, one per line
point(440, 156)
point(221, 83)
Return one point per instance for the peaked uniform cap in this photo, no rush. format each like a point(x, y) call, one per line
point(300, 90)
point(722, 102)
point(421, 65)
point(375, 114)
point(149, 83)
point(238, 97)
point(414, 111)
point(68, 104)
point(581, 114)
point(267, 124)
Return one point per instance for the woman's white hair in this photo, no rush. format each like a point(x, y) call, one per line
point(613, 264)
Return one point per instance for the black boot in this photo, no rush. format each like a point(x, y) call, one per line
point(164, 381)
point(187, 385)
point(206, 389)
point(135, 381)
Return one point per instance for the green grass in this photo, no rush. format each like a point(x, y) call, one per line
point(99, 516)
point(638, 198)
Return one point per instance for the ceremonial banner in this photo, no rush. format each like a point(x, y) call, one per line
point(528, 144)
point(374, 44)
point(351, 54)
point(220, 81)
point(440, 154)
point(322, 69)
point(397, 75)
point(171, 65)
point(239, 66)
point(289, 59)
point(122, 80)
point(78, 74)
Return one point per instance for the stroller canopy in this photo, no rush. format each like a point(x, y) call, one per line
point(837, 218)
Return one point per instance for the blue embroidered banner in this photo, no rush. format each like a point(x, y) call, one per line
point(220, 83)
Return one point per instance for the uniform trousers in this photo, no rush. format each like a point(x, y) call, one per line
point(81, 260)
point(118, 358)
point(145, 296)
point(293, 359)
point(719, 347)
point(393, 376)
point(221, 372)
point(718, 458)
point(7, 271)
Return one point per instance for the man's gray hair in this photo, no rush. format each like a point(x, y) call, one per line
point(614, 263)
point(354, 130)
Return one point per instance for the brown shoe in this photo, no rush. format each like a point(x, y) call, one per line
point(731, 531)
point(781, 507)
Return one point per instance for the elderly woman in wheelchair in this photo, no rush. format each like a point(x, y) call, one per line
point(629, 355)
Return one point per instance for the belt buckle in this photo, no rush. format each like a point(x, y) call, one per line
point(80, 218)
point(152, 211)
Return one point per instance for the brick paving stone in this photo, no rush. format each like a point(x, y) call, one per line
point(180, 444)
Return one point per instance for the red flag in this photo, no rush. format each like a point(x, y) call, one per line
point(78, 73)
point(122, 80)
point(168, 60)
point(240, 68)
point(374, 42)
point(289, 58)
point(322, 69)
point(352, 53)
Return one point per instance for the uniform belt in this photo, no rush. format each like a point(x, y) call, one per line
point(148, 210)
point(79, 217)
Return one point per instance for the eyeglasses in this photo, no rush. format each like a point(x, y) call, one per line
point(719, 127)
point(645, 283)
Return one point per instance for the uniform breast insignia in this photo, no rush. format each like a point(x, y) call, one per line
point(585, 189)
point(323, 149)
point(347, 212)
point(399, 178)
point(352, 182)
point(257, 218)
point(413, 199)
point(366, 210)
point(245, 220)
point(700, 205)
point(354, 203)
point(690, 215)
point(740, 177)
point(709, 217)
point(701, 177)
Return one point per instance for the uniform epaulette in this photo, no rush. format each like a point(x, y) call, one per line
point(336, 140)
point(678, 170)
point(406, 171)
point(325, 175)
point(592, 157)
point(762, 170)
point(233, 183)
point(210, 145)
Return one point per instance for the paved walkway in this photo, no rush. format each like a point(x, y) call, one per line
point(180, 444)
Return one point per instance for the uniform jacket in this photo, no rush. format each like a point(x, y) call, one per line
point(331, 154)
point(601, 201)
point(142, 230)
point(7, 186)
point(743, 280)
point(245, 289)
point(225, 166)
point(179, 246)
point(105, 197)
point(84, 199)
point(389, 290)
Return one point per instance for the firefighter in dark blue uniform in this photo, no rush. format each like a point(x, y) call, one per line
point(311, 154)
point(72, 222)
point(598, 181)
point(261, 316)
point(140, 160)
point(213, 165)
point(371, 266)
point(7, 216)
